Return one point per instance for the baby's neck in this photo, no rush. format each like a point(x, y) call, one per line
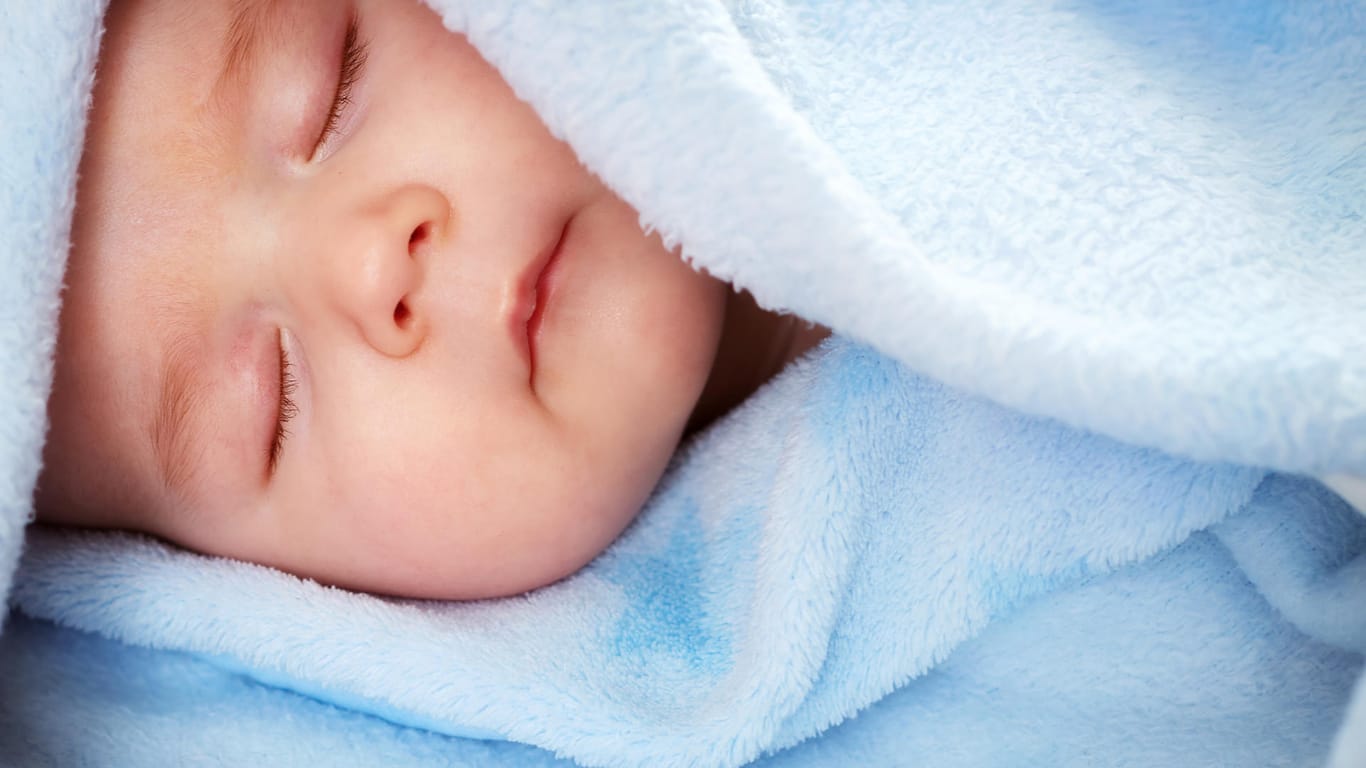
point(755, 345)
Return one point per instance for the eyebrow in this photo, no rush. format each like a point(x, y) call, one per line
point(173, 427)
point(242, 40)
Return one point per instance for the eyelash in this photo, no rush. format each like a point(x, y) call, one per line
point(287, 409)
point(352, 64)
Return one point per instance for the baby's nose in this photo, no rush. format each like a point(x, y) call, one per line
point(380, 266)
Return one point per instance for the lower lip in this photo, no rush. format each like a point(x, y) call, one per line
point(546, 284)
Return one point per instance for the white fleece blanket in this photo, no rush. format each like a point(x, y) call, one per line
point(1144, 219)
point(1141, 220)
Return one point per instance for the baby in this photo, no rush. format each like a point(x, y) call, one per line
point(339, 303)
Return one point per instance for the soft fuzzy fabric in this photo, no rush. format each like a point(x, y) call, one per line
point(766, 595)
point(48, 50)
point(1141, 218)
point(71, 699)
point(1144, 220)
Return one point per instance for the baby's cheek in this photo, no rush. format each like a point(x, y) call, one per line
point(517, 516)
point(695, 331)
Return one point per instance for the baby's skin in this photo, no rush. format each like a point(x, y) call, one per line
point(338, 303)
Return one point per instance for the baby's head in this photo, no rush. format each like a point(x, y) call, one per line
point(340, 304)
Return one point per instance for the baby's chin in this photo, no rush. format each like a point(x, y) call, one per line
point(571, 546)
point(492, 583)
point(506, 563)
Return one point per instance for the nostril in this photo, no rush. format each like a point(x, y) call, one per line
point(402, 315)
point(418, 235)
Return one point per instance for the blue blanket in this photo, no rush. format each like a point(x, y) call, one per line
point(767, 595)
point(899, 531)
point(1140, 223)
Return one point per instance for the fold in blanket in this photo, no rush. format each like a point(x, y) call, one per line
point(68, 698)
point(1140, 220)
point(1144, 219)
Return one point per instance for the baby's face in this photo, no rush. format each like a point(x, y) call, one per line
point(339, 303)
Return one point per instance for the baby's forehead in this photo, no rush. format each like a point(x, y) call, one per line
point(155, 167)
point(147, 197)
point(153, 115)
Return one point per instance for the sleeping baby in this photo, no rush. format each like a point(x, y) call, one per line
point(338, 303)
